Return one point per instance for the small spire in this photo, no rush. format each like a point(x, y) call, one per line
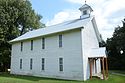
point(85, 1)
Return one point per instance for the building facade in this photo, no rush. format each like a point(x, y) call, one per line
point(60, 51)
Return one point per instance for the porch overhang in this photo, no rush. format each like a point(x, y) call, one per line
point(98, 53)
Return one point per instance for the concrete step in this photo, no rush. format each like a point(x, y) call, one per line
point(99, 75)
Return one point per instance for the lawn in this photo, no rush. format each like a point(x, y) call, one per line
point(7, 78)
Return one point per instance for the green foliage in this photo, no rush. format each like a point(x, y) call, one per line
point(115, 45)
point(4, 55)
point(16, 18)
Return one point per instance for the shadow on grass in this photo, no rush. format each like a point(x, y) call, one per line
point(32, 78)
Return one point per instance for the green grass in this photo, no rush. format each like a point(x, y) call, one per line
point(7, 78)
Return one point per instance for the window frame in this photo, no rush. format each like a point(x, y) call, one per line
point(21, 61)
point(43, 43)
point(31, 64)
point(85, 12)
point(60, 40)
point(21, 48)
point(43, 64)
point(61, 68)
point(31, 45)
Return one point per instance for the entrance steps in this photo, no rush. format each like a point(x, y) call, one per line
point(99, 75)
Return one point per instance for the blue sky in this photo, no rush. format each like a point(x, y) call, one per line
point(48, 8)
point(108, 13)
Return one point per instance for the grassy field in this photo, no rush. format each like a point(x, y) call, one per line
point(7, 78)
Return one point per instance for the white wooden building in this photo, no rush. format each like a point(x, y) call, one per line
point(69, 50)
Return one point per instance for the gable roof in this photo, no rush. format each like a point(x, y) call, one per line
point(65, 26)
point(85, 6)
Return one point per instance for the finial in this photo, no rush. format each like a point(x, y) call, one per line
point(85, 1)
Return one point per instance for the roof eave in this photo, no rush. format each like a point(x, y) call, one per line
point(13, 41)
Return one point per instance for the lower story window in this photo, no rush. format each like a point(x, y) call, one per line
point(20, 63)
point(31, 64)
point(43, 64)
point(60, 64)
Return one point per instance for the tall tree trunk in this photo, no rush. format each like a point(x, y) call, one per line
point(22, 31)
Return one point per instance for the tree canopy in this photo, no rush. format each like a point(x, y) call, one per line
point(16, 18)
point(116, 48)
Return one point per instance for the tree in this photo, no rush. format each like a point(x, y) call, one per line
point(16, 18)
point(115, 45)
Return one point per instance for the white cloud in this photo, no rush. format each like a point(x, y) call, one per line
point(114, 6)
point(76, 1)
point(87, 1)
point(58, 18)
point(103, 9)
point(63, 16)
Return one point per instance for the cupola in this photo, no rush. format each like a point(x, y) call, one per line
point(85, 11)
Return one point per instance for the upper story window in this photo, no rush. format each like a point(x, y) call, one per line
point(21, 46)
point(60, 64)
point(31, 44)
point(43, 43)
point(60, 40)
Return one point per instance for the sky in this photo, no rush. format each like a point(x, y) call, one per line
point(108, 13)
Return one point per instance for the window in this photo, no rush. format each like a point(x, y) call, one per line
point(60, 64)
point(31, 63)
point(43, 64)
point(21, 46)
point(85, 12)
point(20, 63)
point(31, 44)
point(43, 43)
point(60, 40)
